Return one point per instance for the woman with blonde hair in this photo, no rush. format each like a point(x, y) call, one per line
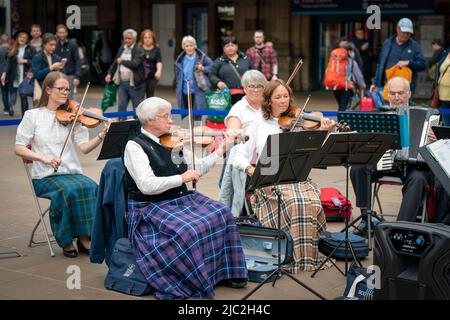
point(152, 61)
point(60, 179)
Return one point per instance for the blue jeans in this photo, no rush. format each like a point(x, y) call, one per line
point(127, 93)
point(446, 117)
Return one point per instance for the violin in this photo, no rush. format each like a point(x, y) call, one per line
point(203, 136)
point(90, 118)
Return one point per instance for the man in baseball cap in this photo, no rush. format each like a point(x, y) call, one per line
point(406, 25)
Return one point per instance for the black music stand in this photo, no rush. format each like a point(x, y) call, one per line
point(346, 149)
point(286, 158)
point(441, 132)
point(373, 122)
point(117, 137)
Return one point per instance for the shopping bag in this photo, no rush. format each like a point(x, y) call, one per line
point(219, 100)
point(109, 96)
point(37, 92)
point(396, 71)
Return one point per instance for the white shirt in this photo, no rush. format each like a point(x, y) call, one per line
point(18, 79)
point(258, 133)
point(245, 113)
point(125, 72)
point(137, 164)
point(41, 129)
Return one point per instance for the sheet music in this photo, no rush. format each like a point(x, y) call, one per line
point(440, 150)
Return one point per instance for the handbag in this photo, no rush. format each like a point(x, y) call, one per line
point(124, 274)
point(357, 284)
point(199, 77)
point(109, 96)
point(37, 91)
point(434, 100)
point(219, 100)
point(26, 87)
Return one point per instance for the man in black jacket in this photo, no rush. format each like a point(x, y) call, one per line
point(68, 50)
point(127, 71)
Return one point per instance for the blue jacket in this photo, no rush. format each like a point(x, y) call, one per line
point(109, 221)
point(199, 95)
point(412, 52)
point(41, 67)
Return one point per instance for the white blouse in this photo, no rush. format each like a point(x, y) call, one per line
point(137, 164)
point(245, 113)
point(41, 129)
point(258, 133)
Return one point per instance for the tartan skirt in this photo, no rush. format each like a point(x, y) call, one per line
point(301, 215)
point(72, 207)
point(186, 245)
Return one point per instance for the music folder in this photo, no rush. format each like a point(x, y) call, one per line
point(436, 157)
point(117, 137)
point(441, 132)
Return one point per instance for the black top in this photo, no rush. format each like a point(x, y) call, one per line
point(162, 165)
point(12, 65)
point(151, 58)
point(135, 64)
point(222, 70)
point(69, 51)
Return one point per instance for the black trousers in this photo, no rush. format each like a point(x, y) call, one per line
point(150, 85)
point(443, 204)
point(415, 184)
point(343, 98)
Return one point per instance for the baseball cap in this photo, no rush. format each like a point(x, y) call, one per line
point(406, 25)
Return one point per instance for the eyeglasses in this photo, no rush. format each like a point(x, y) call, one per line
point(164, 116)
point(62, 89)
point(399, 93)
point(255, 87)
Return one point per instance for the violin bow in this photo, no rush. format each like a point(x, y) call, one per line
point(72, 126)
point(300, 113)
point(294, 73)
point(191, 129)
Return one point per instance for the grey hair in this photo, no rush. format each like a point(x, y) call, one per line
point(253, 76)
point(405, 83)
point(132, 31)
point(149, 108)
point(190, 39)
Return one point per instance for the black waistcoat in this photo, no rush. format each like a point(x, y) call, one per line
point(162, 164)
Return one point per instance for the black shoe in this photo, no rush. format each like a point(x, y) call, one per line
point(70, 253)
point(81, 248)
point(233, 283)
point(11, 110)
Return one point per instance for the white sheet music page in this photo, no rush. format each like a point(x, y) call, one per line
point(440, 150)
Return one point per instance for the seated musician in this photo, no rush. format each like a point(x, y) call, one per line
point(72, 194)
point(302, 213)
point(417, 177)
point(185, 243)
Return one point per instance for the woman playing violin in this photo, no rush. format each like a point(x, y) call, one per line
point(302, 213)
point(72, 194)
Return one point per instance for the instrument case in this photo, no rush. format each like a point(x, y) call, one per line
point(260, 247)
point(330, 240)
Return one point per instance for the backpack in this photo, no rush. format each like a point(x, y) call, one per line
point(336, 72)
point(124, 274)
point(334, 204)
point(357, 284)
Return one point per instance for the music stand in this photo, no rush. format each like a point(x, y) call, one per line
point(117, 137)
point(346, 149)
point(441, 132)
point(279, 164)
point(435, 166)
point(376, 122)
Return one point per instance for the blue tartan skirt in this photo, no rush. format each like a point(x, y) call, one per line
point(186, 245)
point(72, 207)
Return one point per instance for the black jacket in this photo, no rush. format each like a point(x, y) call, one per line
point(136, 64)
point(12, 65)
point(221, 70)
point(69, 50)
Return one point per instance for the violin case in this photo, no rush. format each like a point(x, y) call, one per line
point(260, 247)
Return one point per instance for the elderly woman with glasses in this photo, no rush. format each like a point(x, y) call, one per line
point(60, 179)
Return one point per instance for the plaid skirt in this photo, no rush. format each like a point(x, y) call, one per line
point(186, 245)
point(301, 215)
point(72, 207)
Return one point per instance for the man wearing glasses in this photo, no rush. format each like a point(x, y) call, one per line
point(415, 181)
point(402, 50)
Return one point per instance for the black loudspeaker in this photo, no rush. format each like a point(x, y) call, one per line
point(414, 260)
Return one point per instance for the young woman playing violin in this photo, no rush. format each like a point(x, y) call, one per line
point(60, 179)
point(302, 214)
